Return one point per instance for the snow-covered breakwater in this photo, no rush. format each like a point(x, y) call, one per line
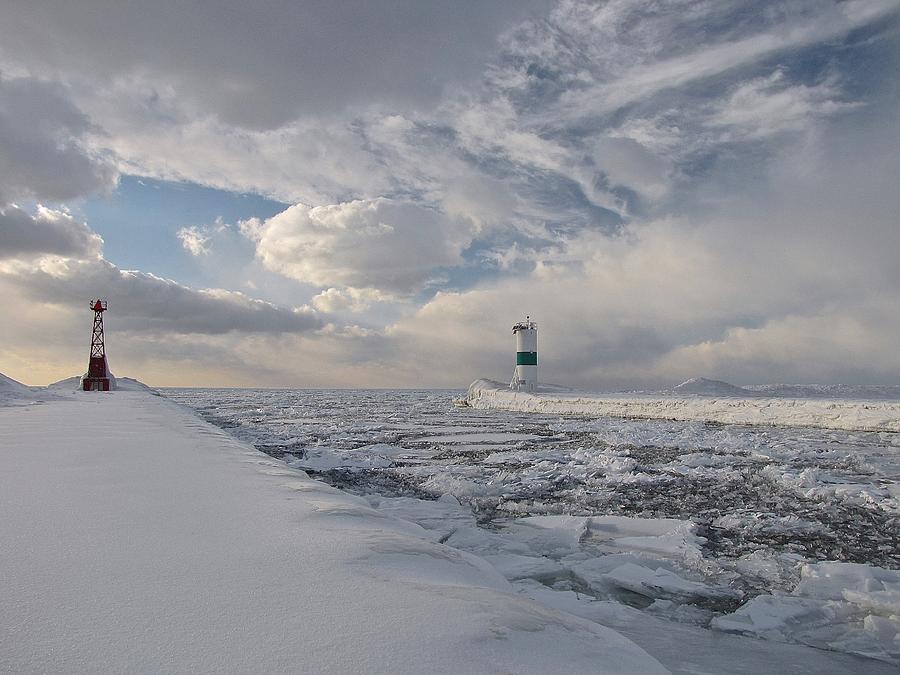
point(851, 415)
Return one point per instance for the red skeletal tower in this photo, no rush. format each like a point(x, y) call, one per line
point(97, 377)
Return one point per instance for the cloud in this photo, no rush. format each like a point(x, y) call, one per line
point(850, 343)
point(47, 231)
point(348, 299)
point(43, 154)
point(615, 85)
point(260, 66)
point(792, 278)
point(766, 106)
point(380, 244)
point(144, 302)
point(670, 187)
point(309, 160)
point(194, 240)
point(657, 307)
point(53, 259)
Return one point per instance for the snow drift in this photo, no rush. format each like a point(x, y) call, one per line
point(14, 393)
point(12, 387)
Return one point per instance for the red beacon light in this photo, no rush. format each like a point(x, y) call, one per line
point(97, 377)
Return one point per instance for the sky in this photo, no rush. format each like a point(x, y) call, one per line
point(370, 194)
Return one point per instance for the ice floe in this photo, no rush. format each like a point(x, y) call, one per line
point(701, 518)
point(844, 606)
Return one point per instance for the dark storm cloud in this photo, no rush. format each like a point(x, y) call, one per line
point(153, 305)
point(261, 64)
point(47, 232)
point(41, 155)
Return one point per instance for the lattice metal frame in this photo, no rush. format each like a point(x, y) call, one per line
point(98, 347)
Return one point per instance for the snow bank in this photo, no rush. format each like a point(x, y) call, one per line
point(13, 393)
point(69, 384)
point(138, 538)
point(11, 387)
point(827, 413)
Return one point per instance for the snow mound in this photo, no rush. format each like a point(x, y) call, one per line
point(122, 384)
point(11, 386)
point(16, 393)
point(704, 387)
point(131, 384)
point(69, 384)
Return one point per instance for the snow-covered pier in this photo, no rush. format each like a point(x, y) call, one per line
point(851, 415)
point(138, 538)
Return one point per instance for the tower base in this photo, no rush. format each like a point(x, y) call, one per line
point(95, 384)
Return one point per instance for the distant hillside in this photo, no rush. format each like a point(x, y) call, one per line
point(701, 386)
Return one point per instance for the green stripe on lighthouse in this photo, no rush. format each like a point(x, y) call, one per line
point(526, 358)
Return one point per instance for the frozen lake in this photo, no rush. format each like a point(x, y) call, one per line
point(735, 513)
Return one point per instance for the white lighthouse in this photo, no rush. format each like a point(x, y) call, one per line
point(525, 375)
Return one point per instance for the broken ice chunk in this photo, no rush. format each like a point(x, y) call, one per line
point(663, 583)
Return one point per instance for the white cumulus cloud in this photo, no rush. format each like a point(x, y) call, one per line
point(194, 240)
point(348, 299)
point(382, 244)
